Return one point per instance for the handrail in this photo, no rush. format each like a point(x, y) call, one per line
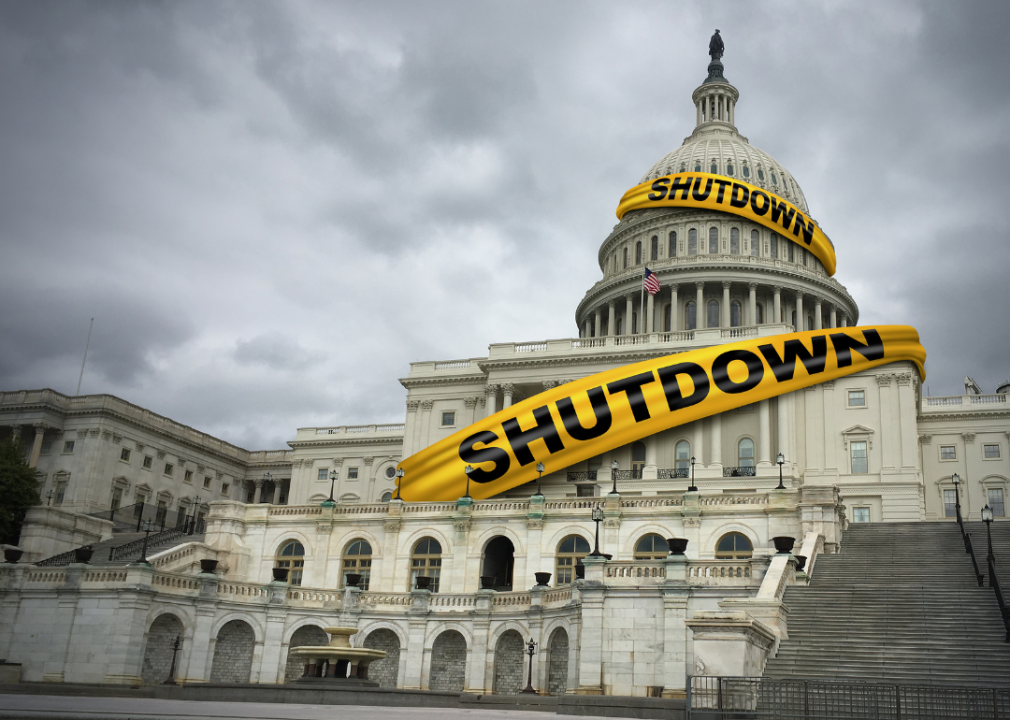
point(64, 558)
point(126, 549)
point(994, 584)
point(966, 537)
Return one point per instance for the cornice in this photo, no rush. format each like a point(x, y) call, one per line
point(969, 415)
point(355, 440)
point(442, 380)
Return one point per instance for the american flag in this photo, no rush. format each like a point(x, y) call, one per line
point(651, 282)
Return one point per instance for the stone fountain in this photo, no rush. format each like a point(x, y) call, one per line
point(338, 661)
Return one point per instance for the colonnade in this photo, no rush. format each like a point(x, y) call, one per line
point(667, 311)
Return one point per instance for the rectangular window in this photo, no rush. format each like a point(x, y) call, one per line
point(996, 502)
point(991, 452)
point(148, 462)
point(861, 514)
point(857, 398)
point(858, 454)
point(948, 452)
point(124, 454)
point(117, 498)
point(206, 481)
point(448, 419)
point(323, 474)
point(61, 491)
point(169, 468)
point(352, 473)
point(949, 503)
point(47, 447)
point(225, 487)
point(188, 477)
point(68, 446)
point(655, 248)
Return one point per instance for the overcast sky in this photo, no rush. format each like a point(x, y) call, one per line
point(271, 209)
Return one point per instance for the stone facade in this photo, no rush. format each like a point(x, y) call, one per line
point(508, 664)
point(158, 652)
point(384, 671)
point(305, 635)
point(557, 674)
point(233, 653)
point(448, 662)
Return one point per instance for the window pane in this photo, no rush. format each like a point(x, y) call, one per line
point(655, 247)
point(692, 242)
point(713, 314)
point(734, 241)
point(713, 241)
point(996, 501)
point(691, 316)
point(734, 314)
point(672, 250)
point(774, 246)
point(755, 242)
point(861, 515)
point(856, 398)
point(683, 455)
point(949, 503)
point(948, 452)
point(992, 451)
point(859, 464)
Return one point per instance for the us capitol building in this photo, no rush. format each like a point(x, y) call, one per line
point(867, 448)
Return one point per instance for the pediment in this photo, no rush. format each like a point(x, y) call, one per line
point(858, 430)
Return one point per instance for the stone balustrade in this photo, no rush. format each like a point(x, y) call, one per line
point(946, 403)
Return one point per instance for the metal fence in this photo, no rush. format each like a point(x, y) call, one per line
point(134, 518)
point(746, 698)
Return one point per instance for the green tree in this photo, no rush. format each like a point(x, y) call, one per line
point(19, 489)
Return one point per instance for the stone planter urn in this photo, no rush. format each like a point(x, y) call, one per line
point(677, 545)
point(83, 554)
point(543, 578)
point(12, 555)
point(801, 560)
point(487, 582)
point(208, 566)
point(423, 582)
point(352, 579)
point(784, 544)
point(280, 574)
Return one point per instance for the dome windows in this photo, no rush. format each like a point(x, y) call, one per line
point(690, 316)
point(625, 259)
point(775, 246)
point(638, 253)
point(713, 241)
point(734, 241)
point(692, 242)
point(714, 168)
point(761, 174)
point(734, 314)
point(755, 242)
point(746, 170)
point(697, 165)
point(672, 249)
point(713, 313)
point(775, 180)
point(729, 169)
point(654, 255)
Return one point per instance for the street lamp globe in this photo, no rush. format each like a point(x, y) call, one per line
point(468, 469)
point(987, 514)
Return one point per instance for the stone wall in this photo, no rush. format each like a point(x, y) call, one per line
point(509, 665)
point(305, 635)
point(384, 671)
point(158, 654)
point(448, 662)
point(233, 653)
point(557, 667)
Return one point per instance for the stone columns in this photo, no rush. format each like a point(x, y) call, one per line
point(491, 395)
point(591, 641)
point(801, 324)
point(611, 318)
point(889, 444)
point(777, 312)
point(833, 319)
point(476, 676)
point(674, 656)
point(753, 317)
point(649, 472)
point(698, 446)
point(40, 433)
point(271, 668)
point(818, 322)
point(700, 316)
point(724, 314)
point(258, 484)
point(649, 313)
point(673, 309)
point(597, 317)
point(507, 390)
point(764, 434)
point(629, 313)
point(783, 426)
point(716, 425)
point(906, 413)
point(588, 330)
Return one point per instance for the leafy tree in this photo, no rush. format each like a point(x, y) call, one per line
point(19, 489)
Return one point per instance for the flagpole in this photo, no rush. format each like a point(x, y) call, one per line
point(641, 305)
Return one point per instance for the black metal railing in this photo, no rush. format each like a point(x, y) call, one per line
point(1000, 599)
point(58, 560)
point(127, 550)
point(723, 698)
point(581, 476)
point(969, 549)
point(673, 473)
point(133, 518)
point(738, 472)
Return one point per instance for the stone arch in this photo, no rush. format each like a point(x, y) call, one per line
point(500, 530)
point(557, 662)
point(509, 654)
point(707, 544)
point(233, 653)
point(448, 662)
point(407, 544)
point(308, 634)
point(243, 617)
point(641, 532)
point(386, 670)
point(158, 653)
point(551, 546)
point(498, 561)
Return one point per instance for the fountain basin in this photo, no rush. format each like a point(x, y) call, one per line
point(338, 661)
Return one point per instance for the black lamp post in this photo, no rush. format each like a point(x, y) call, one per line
point(531, 648)
point(693, 487)
point(49, 497)
point(540, 479)
point(333, 480)
point(399, 479)
point(597, 517)
point(468, 469)
point(614, 467)
point(171, 670)
point(781, 461)
point(990, 560)
point(956, 479)
point(143, 548)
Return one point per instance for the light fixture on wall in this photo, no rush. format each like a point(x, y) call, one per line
point(540, 479)
point(333, 481)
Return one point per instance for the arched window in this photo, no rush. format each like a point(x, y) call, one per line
point(746, 170)
point(672, 249)
point(387, 496)
point(692, 242)
point(651, 547)
point(638, 253)
point(683, 167)
point(637, 460)
point(729, 168)
point(713, 241)
point(775, 180)
point(570, 551)
point(734, 241)
point(755, 243)
point(697, 165)
point(745, 453)
point(761, 174)
point(734, 314)
point(760, 314)
point(734, 546)
point(655, 247)
point(713, 313)
point(682, 455)
point(690, 316)
point(358, 559)
point(714, 169)
point(292, 557)
point(426, 561)
point(625, 258)
point(775, 245)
